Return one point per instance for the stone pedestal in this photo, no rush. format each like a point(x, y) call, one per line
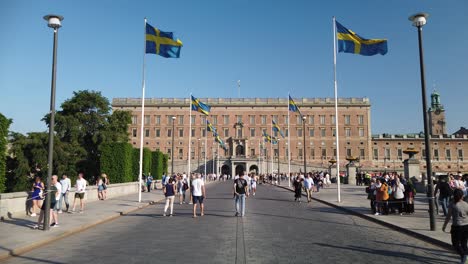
point(332, 171)
point(351, 170)
point(411, 167)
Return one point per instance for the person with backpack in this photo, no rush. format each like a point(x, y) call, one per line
point(458, 212)
point(445, 192)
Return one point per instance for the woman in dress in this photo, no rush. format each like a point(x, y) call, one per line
point(37, 189)
point(100, 188)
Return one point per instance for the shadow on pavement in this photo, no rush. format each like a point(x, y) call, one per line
point(30, 258)
point(386, 253)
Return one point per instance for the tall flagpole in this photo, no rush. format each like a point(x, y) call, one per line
point(337, 132)
point(189, 173)
point(217, 162)
point(206, 140)
point(142, 114)
point(271, 146)
point(289, 148)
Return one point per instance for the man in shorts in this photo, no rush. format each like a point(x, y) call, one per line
point(80, 190)
point(198, 194)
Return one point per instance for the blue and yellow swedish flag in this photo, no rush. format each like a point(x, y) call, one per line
point(293, 107)
point(350, 42)
point(200, 107)
point(162, 43)
point(210, 127)
point(277, 128)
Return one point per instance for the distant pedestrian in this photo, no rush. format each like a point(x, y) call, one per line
point(66, 186)
point(169, 192)
point(253, 184)
point(80, 190)
point(100, 188)
point(309, 186)
point(241, 190)
point(182, 187)
point(458, 211)
point(105, 184)
point(37, 195)
point(298, 188)
point(198, 195)
point(445, 192)
point(54, 192)
point(149, 182)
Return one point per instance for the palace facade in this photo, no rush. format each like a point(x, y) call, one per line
point(241, 122)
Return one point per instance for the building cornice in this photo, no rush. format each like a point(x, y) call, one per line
point(241, 102)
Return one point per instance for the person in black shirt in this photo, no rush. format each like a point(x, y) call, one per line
point(445, 192)
point(240, 192)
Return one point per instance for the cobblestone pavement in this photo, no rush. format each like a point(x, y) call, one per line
point(274, 230)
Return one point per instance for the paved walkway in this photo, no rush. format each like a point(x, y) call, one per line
point(274, 230)
point(354, 200)
point(17, 235)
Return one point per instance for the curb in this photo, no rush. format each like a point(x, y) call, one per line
point(24, 249)
point(414, 234)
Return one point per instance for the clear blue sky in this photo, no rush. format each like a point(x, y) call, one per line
point(272, 46)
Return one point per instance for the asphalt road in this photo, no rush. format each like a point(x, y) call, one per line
point(274, 230)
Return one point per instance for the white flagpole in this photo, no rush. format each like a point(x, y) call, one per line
point(189, 173)
point(142, 114)
point(289, 148)
point(217, 162)
point(206, 140)
point(337, 132)
point(259, 158)
point(271, 146)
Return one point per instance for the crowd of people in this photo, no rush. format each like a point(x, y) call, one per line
point(59, 201)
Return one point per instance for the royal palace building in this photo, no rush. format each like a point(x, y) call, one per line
point(241, 123)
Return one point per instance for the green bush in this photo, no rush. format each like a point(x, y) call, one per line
point(117, 162)
point(4, 125)
point(165, 163)
point(157, 167)
point(135, 164)
point(146, 161)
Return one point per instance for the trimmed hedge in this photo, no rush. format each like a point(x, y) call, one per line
point(146, 161)
point(117, 162)
point(4, 126)
point(157, 167)
point(165, 163)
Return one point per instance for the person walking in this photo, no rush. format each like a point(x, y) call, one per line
point(253, 184)
point(100, 188)
point(149, 182)
point(66, 186)
point(80, 190)
point(169, 192)
point(198, 195)
point(37, 193)
point(105, 183)
point(309, 185)
point(241, 190)
point(298, 189)
point(458, 212)
point(445, 192)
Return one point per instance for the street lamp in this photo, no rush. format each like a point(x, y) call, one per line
point(172, 151)
point(419, 20)
point(304, 138)
point(54, 21)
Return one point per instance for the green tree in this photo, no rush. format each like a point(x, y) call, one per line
point(4, 126)
point(84, 123)
point(116, 161)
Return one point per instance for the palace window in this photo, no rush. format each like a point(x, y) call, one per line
point(147, 119)
point(157, 119)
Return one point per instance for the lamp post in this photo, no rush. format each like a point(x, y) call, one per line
point(304, 140)
point(54, 21)
point(419, 20)
point(172, 151)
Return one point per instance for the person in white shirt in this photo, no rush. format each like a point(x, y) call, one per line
point(198, 194)
point(308, 185)
point(79, 192)
point(66, 185)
